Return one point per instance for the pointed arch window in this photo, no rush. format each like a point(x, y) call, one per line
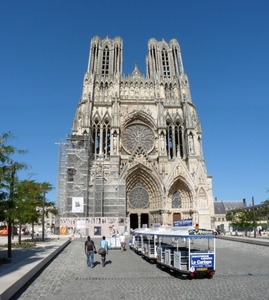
point(174, 139)
point(179, 139)
point(96, 136)
point(165, 63)
point(176, 201)
point(93, 57)
point(101, 133)
point(106, 138)
point(105, 62)
point(169, 139)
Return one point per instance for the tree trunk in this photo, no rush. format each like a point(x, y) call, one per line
point(33, 233)
point(19, 237)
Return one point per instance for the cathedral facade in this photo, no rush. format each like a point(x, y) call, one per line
point(135, 150)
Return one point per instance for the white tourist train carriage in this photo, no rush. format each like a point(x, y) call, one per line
point(145, 242)
point(186, 251)
point(189, 253)
point(137, 237)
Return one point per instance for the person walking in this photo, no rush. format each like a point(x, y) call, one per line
point(122, 242)
point(89, 251)
point(104, 244)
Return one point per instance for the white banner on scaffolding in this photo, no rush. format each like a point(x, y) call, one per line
point(77, 204)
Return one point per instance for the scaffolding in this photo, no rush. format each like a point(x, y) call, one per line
point(95, 179)
point(60, 192)
point(107, 193)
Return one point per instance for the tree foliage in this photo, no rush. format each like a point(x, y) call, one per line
point(30, 202)
point(22, 201)
point(241, 218)
point(8, 169)
point(247, 218)
point(263, 211)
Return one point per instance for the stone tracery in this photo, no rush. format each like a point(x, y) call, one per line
point(137, 134)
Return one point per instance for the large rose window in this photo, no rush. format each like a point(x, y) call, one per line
point(138, 135)
point(139, 197)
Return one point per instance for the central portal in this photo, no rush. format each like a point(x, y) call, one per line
point(134, 221)
point(144, 220)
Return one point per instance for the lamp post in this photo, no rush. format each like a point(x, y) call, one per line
point(254, 217)
point(43, 215)
point(10, 202)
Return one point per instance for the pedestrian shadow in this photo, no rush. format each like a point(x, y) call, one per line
point(96, 263)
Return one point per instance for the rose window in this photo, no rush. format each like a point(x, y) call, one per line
point(139, 197)
point(138, 135)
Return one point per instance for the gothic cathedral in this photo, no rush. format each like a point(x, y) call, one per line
point(135, 150)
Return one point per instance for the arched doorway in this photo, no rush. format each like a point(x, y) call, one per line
point(144, 220)
point(134, 221)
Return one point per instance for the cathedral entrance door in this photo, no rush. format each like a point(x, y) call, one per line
point(145, 220)
point(176, 216)
point(134, 221)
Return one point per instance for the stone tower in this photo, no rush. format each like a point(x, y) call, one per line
point(136, 144)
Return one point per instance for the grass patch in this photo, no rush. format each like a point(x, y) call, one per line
point(24, 244)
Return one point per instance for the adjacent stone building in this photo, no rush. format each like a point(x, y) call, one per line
point(222, 208)
point(135, 150)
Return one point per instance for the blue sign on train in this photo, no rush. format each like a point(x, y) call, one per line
point(180, 223)
point(202, 260)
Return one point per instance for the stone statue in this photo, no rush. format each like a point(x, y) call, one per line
point(191, 145)
point(162, 142)
point(115, 142)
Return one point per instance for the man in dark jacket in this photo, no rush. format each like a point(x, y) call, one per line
point(89, 251)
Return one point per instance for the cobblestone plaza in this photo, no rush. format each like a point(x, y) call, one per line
point(241, 273)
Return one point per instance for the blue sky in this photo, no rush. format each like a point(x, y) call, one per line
point(225, 46)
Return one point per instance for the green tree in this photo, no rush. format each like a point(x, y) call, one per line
point(21, 201)
point(263, 212)
point(27, 195)
point(31, 204)
point(242, 218)
point(8, 169)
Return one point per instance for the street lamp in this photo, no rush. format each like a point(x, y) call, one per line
point(254, 217)
point(10, 202)
point(43, 215)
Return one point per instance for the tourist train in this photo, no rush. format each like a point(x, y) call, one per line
point(186, 251)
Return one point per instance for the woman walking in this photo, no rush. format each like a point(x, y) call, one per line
point(104, 244)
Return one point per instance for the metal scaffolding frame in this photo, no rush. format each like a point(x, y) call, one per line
point(82, 174)
point(60, 191)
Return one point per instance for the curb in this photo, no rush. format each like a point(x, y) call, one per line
point(254, 241)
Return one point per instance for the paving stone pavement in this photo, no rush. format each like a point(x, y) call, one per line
point(20, 254)
point(242, 272)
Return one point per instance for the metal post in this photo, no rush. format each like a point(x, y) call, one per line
point(254, 217)
point(43, 215)
point(10, 202)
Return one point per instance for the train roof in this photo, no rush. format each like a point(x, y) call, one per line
point(176, 232)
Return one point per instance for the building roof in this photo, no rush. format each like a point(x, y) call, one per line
point(222, 207)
